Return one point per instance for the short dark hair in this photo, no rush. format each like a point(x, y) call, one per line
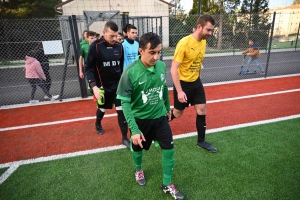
point(121, 34)
point(125, 28)
point(203, 19)
point(129, 27)
point(31, 54)
point(151, 38)
point(84, 31)
point(112, 25)
point(90, 33)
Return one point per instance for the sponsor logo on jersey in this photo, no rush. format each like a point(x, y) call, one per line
point(116, 52)
point(111, 63)
point(162, 77)
point(140, 83)
point(152, 95)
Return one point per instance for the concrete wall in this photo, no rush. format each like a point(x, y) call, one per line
point(133, 7)
point(287, 19)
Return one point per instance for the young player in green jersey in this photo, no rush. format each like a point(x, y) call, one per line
point(84, 49)
point(145, 102)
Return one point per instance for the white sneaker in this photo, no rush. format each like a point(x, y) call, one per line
point(46, 97)
point(54, 97)
point(33, 101)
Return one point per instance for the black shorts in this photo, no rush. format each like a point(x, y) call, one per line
point(194, 91)
point(155, 129)
point(110, 98)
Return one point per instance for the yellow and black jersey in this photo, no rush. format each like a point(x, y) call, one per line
point(190, 54)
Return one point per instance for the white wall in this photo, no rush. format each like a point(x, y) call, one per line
point(134, 7)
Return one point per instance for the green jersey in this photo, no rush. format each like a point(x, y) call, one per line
point(145, 90)
point(84, 49)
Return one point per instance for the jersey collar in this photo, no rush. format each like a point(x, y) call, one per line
point(143, 67)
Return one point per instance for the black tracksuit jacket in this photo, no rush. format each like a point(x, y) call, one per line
point(104, 65)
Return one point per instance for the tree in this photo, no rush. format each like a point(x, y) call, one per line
point(178, 8)
point(20, 9)
point(207, 7)
point(176, 22)
point(218, 8)
point(296, 2)
point(252, 9)
point(225, 6)
point(230, 6)
point(255, 20)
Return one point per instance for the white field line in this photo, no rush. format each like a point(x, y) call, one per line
point(113, 115)
point(253, 96)
point(52, 123)
point(12, 166)
point(8, 172)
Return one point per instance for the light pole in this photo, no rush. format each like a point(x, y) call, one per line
point(199, 7)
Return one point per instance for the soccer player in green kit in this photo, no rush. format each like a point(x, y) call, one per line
point(145, 102)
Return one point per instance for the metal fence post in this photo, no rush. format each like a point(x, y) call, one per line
point(76, 46)
point(65, 71)
point(270, 43)
point(161, 34)
point(297, 37)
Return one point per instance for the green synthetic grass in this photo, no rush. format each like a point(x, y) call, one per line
point(2, 170)
point(284, 45)
point(259, 162)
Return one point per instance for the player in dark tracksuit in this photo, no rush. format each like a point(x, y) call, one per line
point(43, 59)
point(103, 69)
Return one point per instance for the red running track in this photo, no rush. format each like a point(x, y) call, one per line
point(27, 143)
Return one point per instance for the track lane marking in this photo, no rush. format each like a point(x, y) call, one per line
point(113, 115)
point(111, 148)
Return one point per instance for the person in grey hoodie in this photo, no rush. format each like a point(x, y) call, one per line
point(34, 74)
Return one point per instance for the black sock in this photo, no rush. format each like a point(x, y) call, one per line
point(201, 127)
point(99, 116)
point(122, 124)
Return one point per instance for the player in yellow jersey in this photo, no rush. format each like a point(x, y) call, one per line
point(186, 72)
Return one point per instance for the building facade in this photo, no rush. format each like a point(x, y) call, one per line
point(135, 9)
point(287, 20)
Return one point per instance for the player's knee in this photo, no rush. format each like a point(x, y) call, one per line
point(168, 153)
point(201, 112)
point(173, 115)
point(200, 109)
point(177, 113)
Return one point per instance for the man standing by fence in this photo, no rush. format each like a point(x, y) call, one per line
point(186, 72)
point(39, 54)
point(130, 46)
point(84, 48)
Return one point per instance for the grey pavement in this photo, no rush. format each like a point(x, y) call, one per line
point(15, 89)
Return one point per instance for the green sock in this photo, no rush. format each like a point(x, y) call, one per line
point(137, 159)
point(168, 165)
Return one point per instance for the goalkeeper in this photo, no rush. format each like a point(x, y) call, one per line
point(103, 69)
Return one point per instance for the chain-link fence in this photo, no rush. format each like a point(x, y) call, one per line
point(223, 60)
